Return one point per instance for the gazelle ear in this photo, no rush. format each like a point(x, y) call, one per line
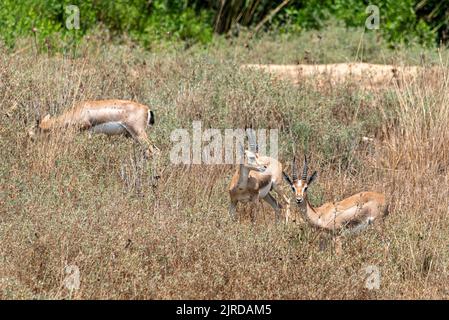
point(241, 154)
point(312, 177)
point(253, 147)
point(289, 181)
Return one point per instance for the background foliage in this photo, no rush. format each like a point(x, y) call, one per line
point(153, 21)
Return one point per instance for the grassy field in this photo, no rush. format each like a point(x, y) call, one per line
point(90, 202)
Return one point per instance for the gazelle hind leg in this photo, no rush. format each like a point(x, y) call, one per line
point(286, 200)
point(274, 204)
point(322, 243)
point(232, 209)
point(287, 209)
point(142, 138)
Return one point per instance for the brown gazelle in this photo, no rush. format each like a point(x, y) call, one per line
point(105, 116)
point(350, 215)
point(254, 179)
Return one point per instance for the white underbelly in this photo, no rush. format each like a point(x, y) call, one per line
point(363, 225)
point(264, 191)
point(110, 128)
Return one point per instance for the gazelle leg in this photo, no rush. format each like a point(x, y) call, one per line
point(274, 204)
point(286, 200)
point(323, 243)
point(232, 209)
point(142, 138)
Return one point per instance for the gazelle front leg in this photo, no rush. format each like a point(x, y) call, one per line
point(275, 205)
point(232, 209)
point(286, 199)
point(338, 245)
point(142, 138)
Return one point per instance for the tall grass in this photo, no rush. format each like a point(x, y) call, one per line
point(419, 140)
point(65, 200)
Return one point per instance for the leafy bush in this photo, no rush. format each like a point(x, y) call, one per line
point(190, 21)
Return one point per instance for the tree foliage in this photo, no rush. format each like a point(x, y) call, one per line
point(149, 21)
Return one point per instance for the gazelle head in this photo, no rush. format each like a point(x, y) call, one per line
point(253, 153)
point(299, 186)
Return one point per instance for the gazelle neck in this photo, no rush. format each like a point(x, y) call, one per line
point(310, 213)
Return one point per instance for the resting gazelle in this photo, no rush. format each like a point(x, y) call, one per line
point(254, 179)
point(104, 116)
point(351, 215)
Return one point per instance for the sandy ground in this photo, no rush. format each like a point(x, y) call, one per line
point(366, 74)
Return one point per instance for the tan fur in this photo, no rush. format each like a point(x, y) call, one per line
point(248, 189)
point(350, 212)
point(367, 75)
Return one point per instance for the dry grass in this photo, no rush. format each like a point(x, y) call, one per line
point(66, 201)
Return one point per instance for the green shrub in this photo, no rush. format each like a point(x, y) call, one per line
point(194, 21)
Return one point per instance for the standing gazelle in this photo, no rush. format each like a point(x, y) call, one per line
point(254, 179)
point(352, 214)
point(105, 116)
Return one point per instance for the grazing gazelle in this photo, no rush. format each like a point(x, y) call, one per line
point(350, 215)
point(105, 116)
point(254, 179)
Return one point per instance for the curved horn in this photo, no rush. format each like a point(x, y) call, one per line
point(304, 172)
point(252, 140)
point(240, 156)
point(294, 173)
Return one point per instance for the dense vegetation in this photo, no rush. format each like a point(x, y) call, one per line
point(149, 22)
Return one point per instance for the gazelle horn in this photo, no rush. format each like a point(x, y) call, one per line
point(304, 172)
point(241, 149)
point(294, 173)
point(252, 140)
